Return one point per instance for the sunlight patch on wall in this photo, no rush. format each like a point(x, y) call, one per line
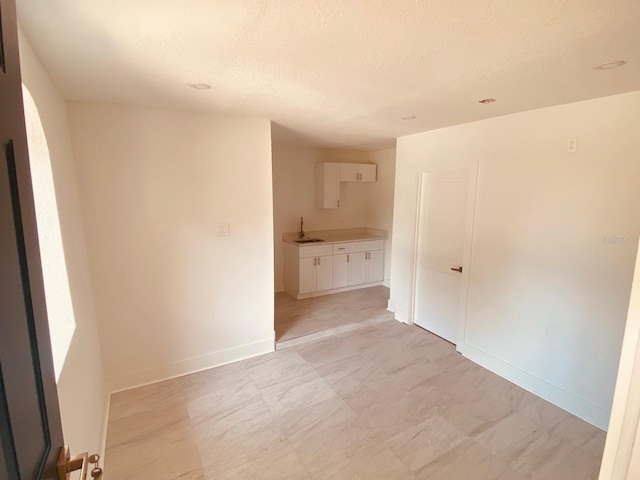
point(54, 269)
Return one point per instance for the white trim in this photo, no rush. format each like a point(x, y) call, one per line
point(401, 316)
point(414, 254)
point(152, 375)
point(392, 306)
point(620, 451)
point(398, 314)
point(337, 290)
point(105, 426)
point(568, 401)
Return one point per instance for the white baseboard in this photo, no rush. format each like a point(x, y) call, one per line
point(301, 296)
point(391, 305)
point(398, 313)
point(148, 376)
point(574, 404)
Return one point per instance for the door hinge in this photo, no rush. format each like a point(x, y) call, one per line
point(67, 464)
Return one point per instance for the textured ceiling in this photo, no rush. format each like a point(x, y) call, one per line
point(338, 72)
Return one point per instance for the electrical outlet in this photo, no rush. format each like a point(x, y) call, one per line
point(572, 145)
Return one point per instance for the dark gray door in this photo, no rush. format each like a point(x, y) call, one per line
point(30, 429)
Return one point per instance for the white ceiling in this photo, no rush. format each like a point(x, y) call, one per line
point(338, 72)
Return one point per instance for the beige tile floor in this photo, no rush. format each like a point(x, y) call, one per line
point(313, 318)
point(386, 401)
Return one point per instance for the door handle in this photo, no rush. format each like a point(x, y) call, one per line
point(457, 269)
point(67, 464)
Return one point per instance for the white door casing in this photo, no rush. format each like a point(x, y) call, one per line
point(444, 227)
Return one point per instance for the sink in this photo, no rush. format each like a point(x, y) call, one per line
point(309, 240)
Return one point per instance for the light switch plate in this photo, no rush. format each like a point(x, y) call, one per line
point(222, 229)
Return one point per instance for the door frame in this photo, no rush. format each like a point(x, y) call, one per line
point(472, 169)
point(621, 450)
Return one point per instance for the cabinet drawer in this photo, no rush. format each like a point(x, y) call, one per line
point(314, 251)
point(366, 246)
point(340, 248)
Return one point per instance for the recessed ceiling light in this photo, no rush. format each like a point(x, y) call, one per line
point(410, 117)
point(487, 100)
point(610, 65)
point(200, 86)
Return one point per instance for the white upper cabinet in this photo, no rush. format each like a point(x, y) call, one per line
point(329, 176)
point(327, 185)
point(357, 172)
point(367, 172)
point(349, 172)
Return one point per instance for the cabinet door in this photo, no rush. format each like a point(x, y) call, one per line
point(349, 172)
point(328, 185)
point(367, 172)
point(307, 275)
point(375, 266)
point(324, 273)
point(340, 271)
point(357, 268)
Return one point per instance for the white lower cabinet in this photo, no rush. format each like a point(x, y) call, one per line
point(314, 269)
point(340, 271)
point(366, 267)
point(374, 271)
point(316, 274)
point(357, 266)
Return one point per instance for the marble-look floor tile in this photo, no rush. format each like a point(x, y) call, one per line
point(305, 390)
point(298, 318)
point(326, 351)
point(500, 437)
point(469, 461)
point(276, 367)
point(379, 464)
point(422, 444)
point(474, 414)
point(168, 452)
point(382, 401)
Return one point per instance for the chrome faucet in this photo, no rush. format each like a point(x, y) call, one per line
point(301, 230)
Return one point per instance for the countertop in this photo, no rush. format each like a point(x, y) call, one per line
point(335, 236)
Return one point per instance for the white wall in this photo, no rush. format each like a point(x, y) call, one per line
point(294, 195)
point(380, 201)
point(81, 389)
point(548, 297)
point(171, 296)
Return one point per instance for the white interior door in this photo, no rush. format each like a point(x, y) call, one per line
point(441, 237)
